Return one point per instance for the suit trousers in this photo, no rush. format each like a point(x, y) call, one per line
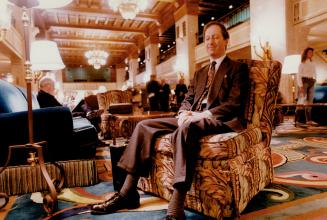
point(185, 143)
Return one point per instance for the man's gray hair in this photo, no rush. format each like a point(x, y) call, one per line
point(45, 80)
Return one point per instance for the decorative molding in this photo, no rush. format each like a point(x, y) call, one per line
point(305, 10)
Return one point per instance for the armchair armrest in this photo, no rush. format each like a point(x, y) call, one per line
point(218, 146)
point(228, 145)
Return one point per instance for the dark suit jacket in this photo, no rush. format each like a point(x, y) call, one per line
point(47, 100)
point(227, 94)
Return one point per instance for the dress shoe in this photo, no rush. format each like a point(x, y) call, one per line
point(117, 202)
point(300, 125)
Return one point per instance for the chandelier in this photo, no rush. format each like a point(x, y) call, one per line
point(128, 8)
point(96, 58)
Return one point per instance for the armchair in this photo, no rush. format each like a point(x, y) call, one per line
point(233, 167)
point(108, 121)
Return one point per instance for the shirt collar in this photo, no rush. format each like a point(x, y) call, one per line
point(218, 61)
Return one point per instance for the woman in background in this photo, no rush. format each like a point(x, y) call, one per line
point(306, 79)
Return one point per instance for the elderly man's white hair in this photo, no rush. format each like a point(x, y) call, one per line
point(44, 81)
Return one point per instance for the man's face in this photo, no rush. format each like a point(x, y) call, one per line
point(214, 42)
point(49, 87)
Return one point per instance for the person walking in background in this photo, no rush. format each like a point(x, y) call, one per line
point(180, 91)
point(306, 79)
point(164, 93)
point(152, 89)
point(214, 103)
point(46, 95)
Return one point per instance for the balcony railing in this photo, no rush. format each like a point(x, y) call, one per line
point(141, 67)
point(235, 17)
point(165, 55)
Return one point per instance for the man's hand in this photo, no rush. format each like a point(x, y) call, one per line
point(182, 117)
point(189, 117)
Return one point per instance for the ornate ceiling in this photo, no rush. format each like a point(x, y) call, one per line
point(91, 24)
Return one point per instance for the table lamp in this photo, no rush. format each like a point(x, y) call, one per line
point(291, 66)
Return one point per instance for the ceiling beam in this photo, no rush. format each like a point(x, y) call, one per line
point(92, 40)
point(103, 13)
point(72, 48)
point(91, 28)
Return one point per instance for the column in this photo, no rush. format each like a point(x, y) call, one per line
point(120, 76)
point(186, 24)
point(133, 66)
point(269, 24)
point(18, 71)
point(151, 54)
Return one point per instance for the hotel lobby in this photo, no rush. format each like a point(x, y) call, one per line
point(56, 161)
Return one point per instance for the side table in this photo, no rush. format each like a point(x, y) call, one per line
point(122, 125)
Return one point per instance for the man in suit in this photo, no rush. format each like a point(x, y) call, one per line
point(152, 88)
point(213, 104)
point(180, 92)
point(164, 93)
point(46, 93)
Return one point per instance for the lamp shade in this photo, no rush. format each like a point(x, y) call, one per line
point(45, 56)
point(291, 64)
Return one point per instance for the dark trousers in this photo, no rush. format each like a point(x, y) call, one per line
point(308, 86)
point(184, 139)
point(154, 104)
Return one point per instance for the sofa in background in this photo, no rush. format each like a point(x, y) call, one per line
point(233, 167)
point(72, 140)
point(319, 113)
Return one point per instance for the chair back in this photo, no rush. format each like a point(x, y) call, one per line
point(263, 91)
point(113, 97)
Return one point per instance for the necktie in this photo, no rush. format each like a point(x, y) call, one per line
point(211, 74)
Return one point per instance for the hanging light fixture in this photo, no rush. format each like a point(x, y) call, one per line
point(96, 58)
point(128, 8)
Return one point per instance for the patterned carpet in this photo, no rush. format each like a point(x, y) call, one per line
point(299, 190)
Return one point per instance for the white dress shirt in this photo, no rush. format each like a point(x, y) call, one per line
point(306, 69)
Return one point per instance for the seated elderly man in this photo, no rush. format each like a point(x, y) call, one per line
point(46, 93)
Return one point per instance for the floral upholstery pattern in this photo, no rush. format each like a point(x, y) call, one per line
point(233, 167)
point(112, 97)
point(104, 101)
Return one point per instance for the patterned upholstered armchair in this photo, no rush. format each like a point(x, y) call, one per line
point(233, 167)
point(104, 101)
